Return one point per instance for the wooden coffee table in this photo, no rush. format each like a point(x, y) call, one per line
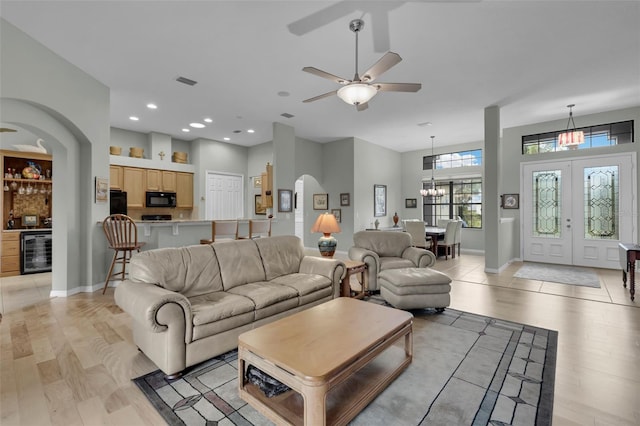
point(336, 358)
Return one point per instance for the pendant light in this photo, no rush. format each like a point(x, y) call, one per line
point(571, 138)
point(432, 191)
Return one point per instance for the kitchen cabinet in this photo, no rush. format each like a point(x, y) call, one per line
point(133, 183)
point(184, 190)
point(10, 261)
point(161, 180)
point(115, 177)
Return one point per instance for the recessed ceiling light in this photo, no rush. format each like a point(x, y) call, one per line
point(152, 106)
point(426, 123)
point(134, 118)
point(186, 130)
point(227, 139)
point(251, 131)
point(196, 125)
point(208, 120)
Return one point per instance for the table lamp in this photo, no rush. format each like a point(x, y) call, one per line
point(326, 224)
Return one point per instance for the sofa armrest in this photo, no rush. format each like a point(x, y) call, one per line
point(372, 260)
point(330, 268)
point(143, 301)
point(420, 257)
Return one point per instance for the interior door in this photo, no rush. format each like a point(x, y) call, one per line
point(576, 212)
point(224, 196)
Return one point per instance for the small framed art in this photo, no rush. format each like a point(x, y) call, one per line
point(345, 199)
point(510, 201)
point(102, 190)
point(411, 203)
point(321, 201)
point(338, 214)
point(285, 203)
point(259, 207)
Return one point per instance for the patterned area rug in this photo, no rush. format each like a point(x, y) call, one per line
point(467, 369)
point(562, 274)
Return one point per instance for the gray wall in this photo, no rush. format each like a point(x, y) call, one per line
point(69, 109)
point(374, 164)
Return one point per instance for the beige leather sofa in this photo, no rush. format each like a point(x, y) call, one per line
point(383, 250)
point(190, 304)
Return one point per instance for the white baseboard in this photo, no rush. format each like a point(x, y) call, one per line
point(83, 289)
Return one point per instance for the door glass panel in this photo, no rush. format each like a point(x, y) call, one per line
point(601, 195)
point(547, 207)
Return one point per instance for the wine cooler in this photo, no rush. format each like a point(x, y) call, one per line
point(35, 252)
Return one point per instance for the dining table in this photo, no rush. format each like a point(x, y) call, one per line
point(434, 232)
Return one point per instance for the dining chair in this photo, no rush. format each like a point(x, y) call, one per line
point(122, 235)
point(222, 230)
point(259, 228)
point(448, 243)
point(458, 238)
point(416, 230)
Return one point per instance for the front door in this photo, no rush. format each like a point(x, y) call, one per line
point(576, 212)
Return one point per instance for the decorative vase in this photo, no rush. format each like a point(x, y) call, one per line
point(395, 219)
point(376, 223)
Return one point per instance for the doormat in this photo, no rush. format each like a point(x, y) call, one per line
point(562, 274)
point(467, 369)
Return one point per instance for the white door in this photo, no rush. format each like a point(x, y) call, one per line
point(224, 198)
point(576, 212)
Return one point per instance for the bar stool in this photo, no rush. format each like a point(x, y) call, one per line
point(122, 235)
point(222, 228)
point(259, 228)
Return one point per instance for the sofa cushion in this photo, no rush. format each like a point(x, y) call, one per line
point(281, 255)
point(239, 261)
point(265, 293)
point(384, 243)
point(217, 306)
point(191, 270)
point(304, 283)
point(395, 263)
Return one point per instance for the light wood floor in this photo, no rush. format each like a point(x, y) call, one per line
point(69, 361)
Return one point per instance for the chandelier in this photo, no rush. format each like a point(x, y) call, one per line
point(432, 191)
point(571, 138)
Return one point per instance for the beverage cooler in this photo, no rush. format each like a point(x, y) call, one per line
point(35, 252)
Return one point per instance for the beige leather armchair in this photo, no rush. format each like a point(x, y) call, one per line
point(382, 250)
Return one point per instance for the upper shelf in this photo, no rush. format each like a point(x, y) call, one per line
point(48, 181)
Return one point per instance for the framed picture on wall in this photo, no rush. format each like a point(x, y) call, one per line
point(379, 200)
point(321, 201)
point(285, 203)
point(338, 214)
point(259, 207)
point(102, 190)
point(411, 203)
point(345, 199)
point(257, 181)
point(510, 201)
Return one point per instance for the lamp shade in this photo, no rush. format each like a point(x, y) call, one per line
point(326, 224)
point(357, 93)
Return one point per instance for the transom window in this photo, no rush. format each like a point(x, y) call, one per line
point(594, 136)
point(453, 160)
point(462, 198)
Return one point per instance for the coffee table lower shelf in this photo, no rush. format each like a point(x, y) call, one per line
point(347, 393)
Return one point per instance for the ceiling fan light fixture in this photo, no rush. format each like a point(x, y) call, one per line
point(357, 93)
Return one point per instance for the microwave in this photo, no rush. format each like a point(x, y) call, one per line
point(161, 199)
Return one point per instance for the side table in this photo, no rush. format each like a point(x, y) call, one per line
point(354, 267)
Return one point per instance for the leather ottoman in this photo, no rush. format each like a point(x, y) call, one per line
point(415, 288)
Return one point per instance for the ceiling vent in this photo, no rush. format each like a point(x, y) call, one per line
point(287, 115)
point(186, 81)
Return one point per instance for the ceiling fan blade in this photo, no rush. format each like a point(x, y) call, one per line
point(362, 107)
point(387, 61)
point(326, 75)
point(398, 87)
point(6, 129)
point(324, 95)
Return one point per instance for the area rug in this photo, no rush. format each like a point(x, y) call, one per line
point(467, 369)
point(562, 274)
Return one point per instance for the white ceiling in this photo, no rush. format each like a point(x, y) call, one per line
point(531, 58)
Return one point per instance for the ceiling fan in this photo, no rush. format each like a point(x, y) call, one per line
point(360, 90)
